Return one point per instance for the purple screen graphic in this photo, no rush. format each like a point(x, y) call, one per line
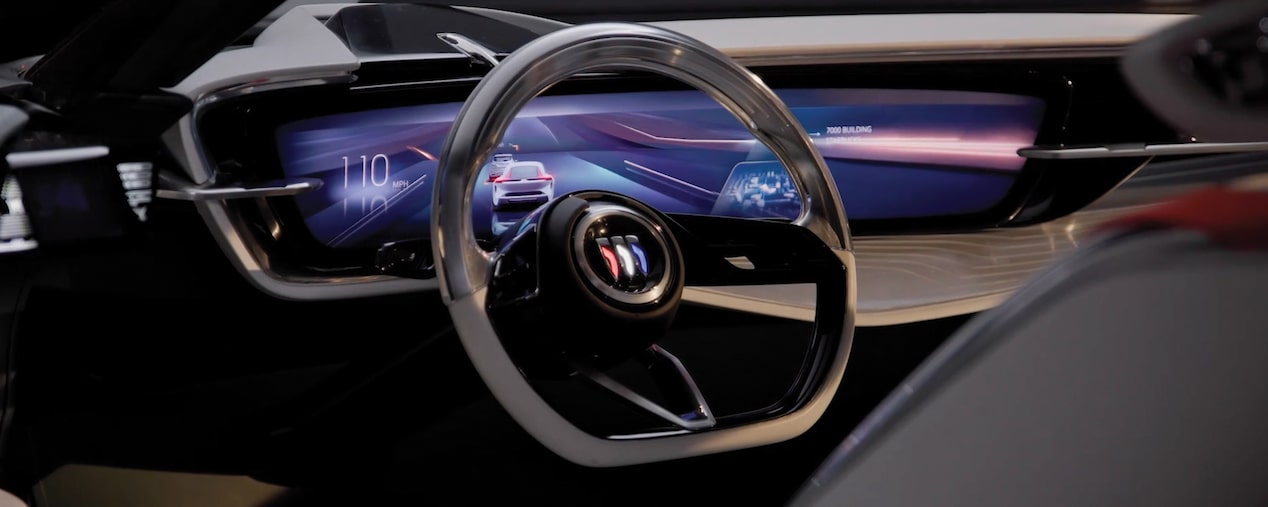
point(892, 153)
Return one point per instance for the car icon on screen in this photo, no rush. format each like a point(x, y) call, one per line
point(497, 166)
point(523, 182)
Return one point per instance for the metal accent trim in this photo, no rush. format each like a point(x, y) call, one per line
point(1140, 150)
point(476, 51)
point(40, 158)
point(185, 191)
point(702, 416)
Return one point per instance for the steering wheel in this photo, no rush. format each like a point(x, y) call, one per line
point(593, 279)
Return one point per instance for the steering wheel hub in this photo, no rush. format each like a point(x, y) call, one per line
point(601, 262)
point(623, 255)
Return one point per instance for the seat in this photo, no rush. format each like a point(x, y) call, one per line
point(1131, 373)
point(8, 500)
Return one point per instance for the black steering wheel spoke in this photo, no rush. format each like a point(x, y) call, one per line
point(720, 251)
point(515, 278)
point(677, 399)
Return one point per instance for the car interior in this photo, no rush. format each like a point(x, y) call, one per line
point(806, 253)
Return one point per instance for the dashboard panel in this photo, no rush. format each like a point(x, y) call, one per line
point(276, 206)
point(894, 154)
point(325, 242)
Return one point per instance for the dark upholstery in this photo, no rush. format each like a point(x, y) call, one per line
point(1133, 373)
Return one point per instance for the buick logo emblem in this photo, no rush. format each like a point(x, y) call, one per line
point(625, 260)
point(622, 254)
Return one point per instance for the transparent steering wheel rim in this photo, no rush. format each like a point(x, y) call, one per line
point(463, 267)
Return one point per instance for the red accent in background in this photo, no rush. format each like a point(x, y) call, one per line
point(1232, 218)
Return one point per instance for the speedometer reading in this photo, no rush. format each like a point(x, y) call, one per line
point(369, 171)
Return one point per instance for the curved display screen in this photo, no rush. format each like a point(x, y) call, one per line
point(893, 153)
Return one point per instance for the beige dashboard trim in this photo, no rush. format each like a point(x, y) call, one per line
point(939, 54)
point(920, 35)
point(873, 318)
point(905, 279)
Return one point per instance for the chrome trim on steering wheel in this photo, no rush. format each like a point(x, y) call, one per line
point(614, 47)
point(698, 417)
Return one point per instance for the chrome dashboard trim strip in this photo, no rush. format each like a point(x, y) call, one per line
point(933, 55)
point(245, 89)
point(40, 158)
point(407, 84)
point(409, 57)
point(467, 46)
point(1140, 150)
point(181, 191)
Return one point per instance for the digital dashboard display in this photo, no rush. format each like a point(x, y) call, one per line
point(893, 154)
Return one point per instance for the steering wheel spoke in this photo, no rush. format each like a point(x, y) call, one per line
point(681, 402)
point(721, 251)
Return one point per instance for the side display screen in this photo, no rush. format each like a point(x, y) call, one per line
point(894, 154)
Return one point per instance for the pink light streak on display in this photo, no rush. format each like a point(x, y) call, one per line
point(994, 151)
point(975, 150)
